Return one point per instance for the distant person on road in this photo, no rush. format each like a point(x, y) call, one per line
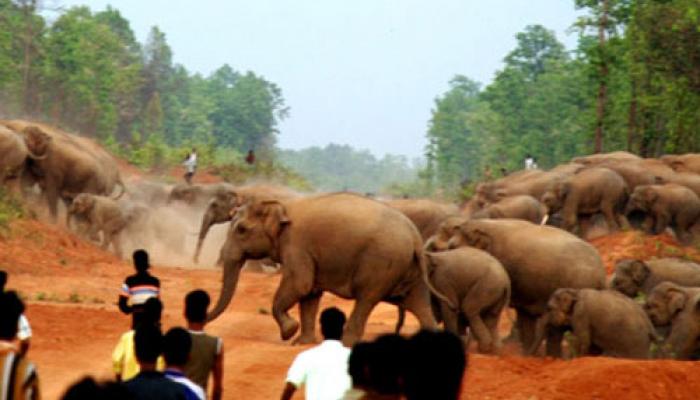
point(323, 369)
point(176, 350)
point(124, 362)
point(207, 354)
point(435, 366)
point(529, 162)
point(138, 288)
point(151, 384)
point(190, 164)
point(504, 172)
point(18, 376)
point(250, 158)
point(24, 330)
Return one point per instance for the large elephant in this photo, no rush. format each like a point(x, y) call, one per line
point(143, 191)
point(198, 194)
point(103, 215)
point(64, 169)
point(634, 173)
point(633, 277)
point(523, 207)
point(591, 191)
point(221, 207)
point(676, 309)
point(343, 243)
point(683, 162)
point(480, 288)
point(615, 156)
point(13, 153)
point(539, 259)
point(425, 214)
point(602, 321)
point(687, 179)
point(533, 183)
point(668, 205)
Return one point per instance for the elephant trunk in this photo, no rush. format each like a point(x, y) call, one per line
point(207, 222)
point(540, 330)
point(232, 269)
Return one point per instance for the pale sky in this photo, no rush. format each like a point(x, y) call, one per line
point(357, 72)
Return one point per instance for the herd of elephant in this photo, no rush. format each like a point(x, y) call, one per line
point(513, 244)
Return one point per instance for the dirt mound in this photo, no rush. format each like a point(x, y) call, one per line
point(635, 244)
point(72, 287)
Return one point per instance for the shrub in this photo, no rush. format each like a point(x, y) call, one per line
point(10, 207)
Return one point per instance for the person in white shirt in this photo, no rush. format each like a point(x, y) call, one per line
point(24, 330)
point(529, 162)
point(323, 370)
point(190, 165)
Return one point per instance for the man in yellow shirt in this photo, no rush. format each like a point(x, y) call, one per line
point(124, 362)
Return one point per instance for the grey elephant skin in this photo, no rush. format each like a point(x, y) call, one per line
point(13, 154)
point(683, 162)
point(668, 205)
point(676, 309)
point(633, 277)
point(602, 321)
point(591, 191)
point(523, 207)
point(102, 215)
point(352, 246)
point(539, 259)
point(480, 288)
point(425, 214)
point(221, 207)
point(197, 194)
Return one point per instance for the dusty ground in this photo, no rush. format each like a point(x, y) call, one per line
point(71, 288)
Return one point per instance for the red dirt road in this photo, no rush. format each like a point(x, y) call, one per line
point(71, 288)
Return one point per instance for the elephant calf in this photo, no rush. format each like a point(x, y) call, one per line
point(102, 214)
point(480, 287)
point(603, 321)
point(523, 207)
point(666, 205)
point(678, 309)
point(636, 276)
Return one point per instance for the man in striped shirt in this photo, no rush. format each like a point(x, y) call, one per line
point(138, 288)
point(18, 377)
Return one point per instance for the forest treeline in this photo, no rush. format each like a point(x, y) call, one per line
point(632, 83)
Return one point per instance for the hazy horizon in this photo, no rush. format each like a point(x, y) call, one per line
point(364, 74)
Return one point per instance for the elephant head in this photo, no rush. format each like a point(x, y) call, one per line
point(664, 303)
point(643, 198)
point(555, 196)
point(254, 234)
point(440, 240)
point(184, 192)
point(560, 308)
point(470, 235)
point(487, 193)
point(37, 141)
point(669, 304)
point(82, 204)
point(630, 276)
point(219, 210)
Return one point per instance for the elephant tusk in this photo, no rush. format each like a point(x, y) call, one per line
point(545, 219)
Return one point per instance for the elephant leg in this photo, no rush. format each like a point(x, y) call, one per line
point(481, 333)
point(554, 337)
point(526, 328)
point(308, 309)
point(355, 327)
point(451, 319)
point(52, 201)
point(491, 322)
point(609, 214)
point(285, 297)
point(417, 302)
point(116, 243)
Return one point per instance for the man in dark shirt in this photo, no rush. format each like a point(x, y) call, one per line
point(138, 288)
point(150, 384)
point(207, 354)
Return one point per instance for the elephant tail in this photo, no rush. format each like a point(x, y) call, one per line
point(422, 261)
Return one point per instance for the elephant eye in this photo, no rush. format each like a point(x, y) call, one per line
point(240, 229)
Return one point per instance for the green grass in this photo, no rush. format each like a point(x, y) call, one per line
point(10, 208)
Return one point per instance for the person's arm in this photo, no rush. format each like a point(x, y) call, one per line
point(24, 334)
point(124, 305)
point(288, 392)
point(218, 375)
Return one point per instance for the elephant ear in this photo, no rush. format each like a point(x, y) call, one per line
point(479, 239)
point(275, 218)
point(650, 195)
point(563, 189)
point(676, 300)
point(566, 299)
point(639, 271)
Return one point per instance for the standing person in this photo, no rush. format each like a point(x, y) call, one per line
point(176, 350)
point(435, 366)
point(207, 354)
point(150, 384)
point(24, 330)
point(18, 376)
point(322, 369)
point(190, 165)
point(529, 162)
point(124, 363)
point(250, 158)
point(138, 288)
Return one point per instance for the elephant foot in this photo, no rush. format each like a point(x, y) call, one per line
point(288, 329)
point(305, 339)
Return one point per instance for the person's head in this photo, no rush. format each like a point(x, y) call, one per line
point(152, 312)
point(3, 280)
point(358, 364)
point(88, 389)
point(528, 155)
point(196, 304)
point(387, 363)
point(148, 344)
point(177, 344)
point(332, 323)
point(435, 367)
point(11, 307)
point(141, 262)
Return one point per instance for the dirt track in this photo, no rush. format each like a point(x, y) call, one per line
point(71, 289)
